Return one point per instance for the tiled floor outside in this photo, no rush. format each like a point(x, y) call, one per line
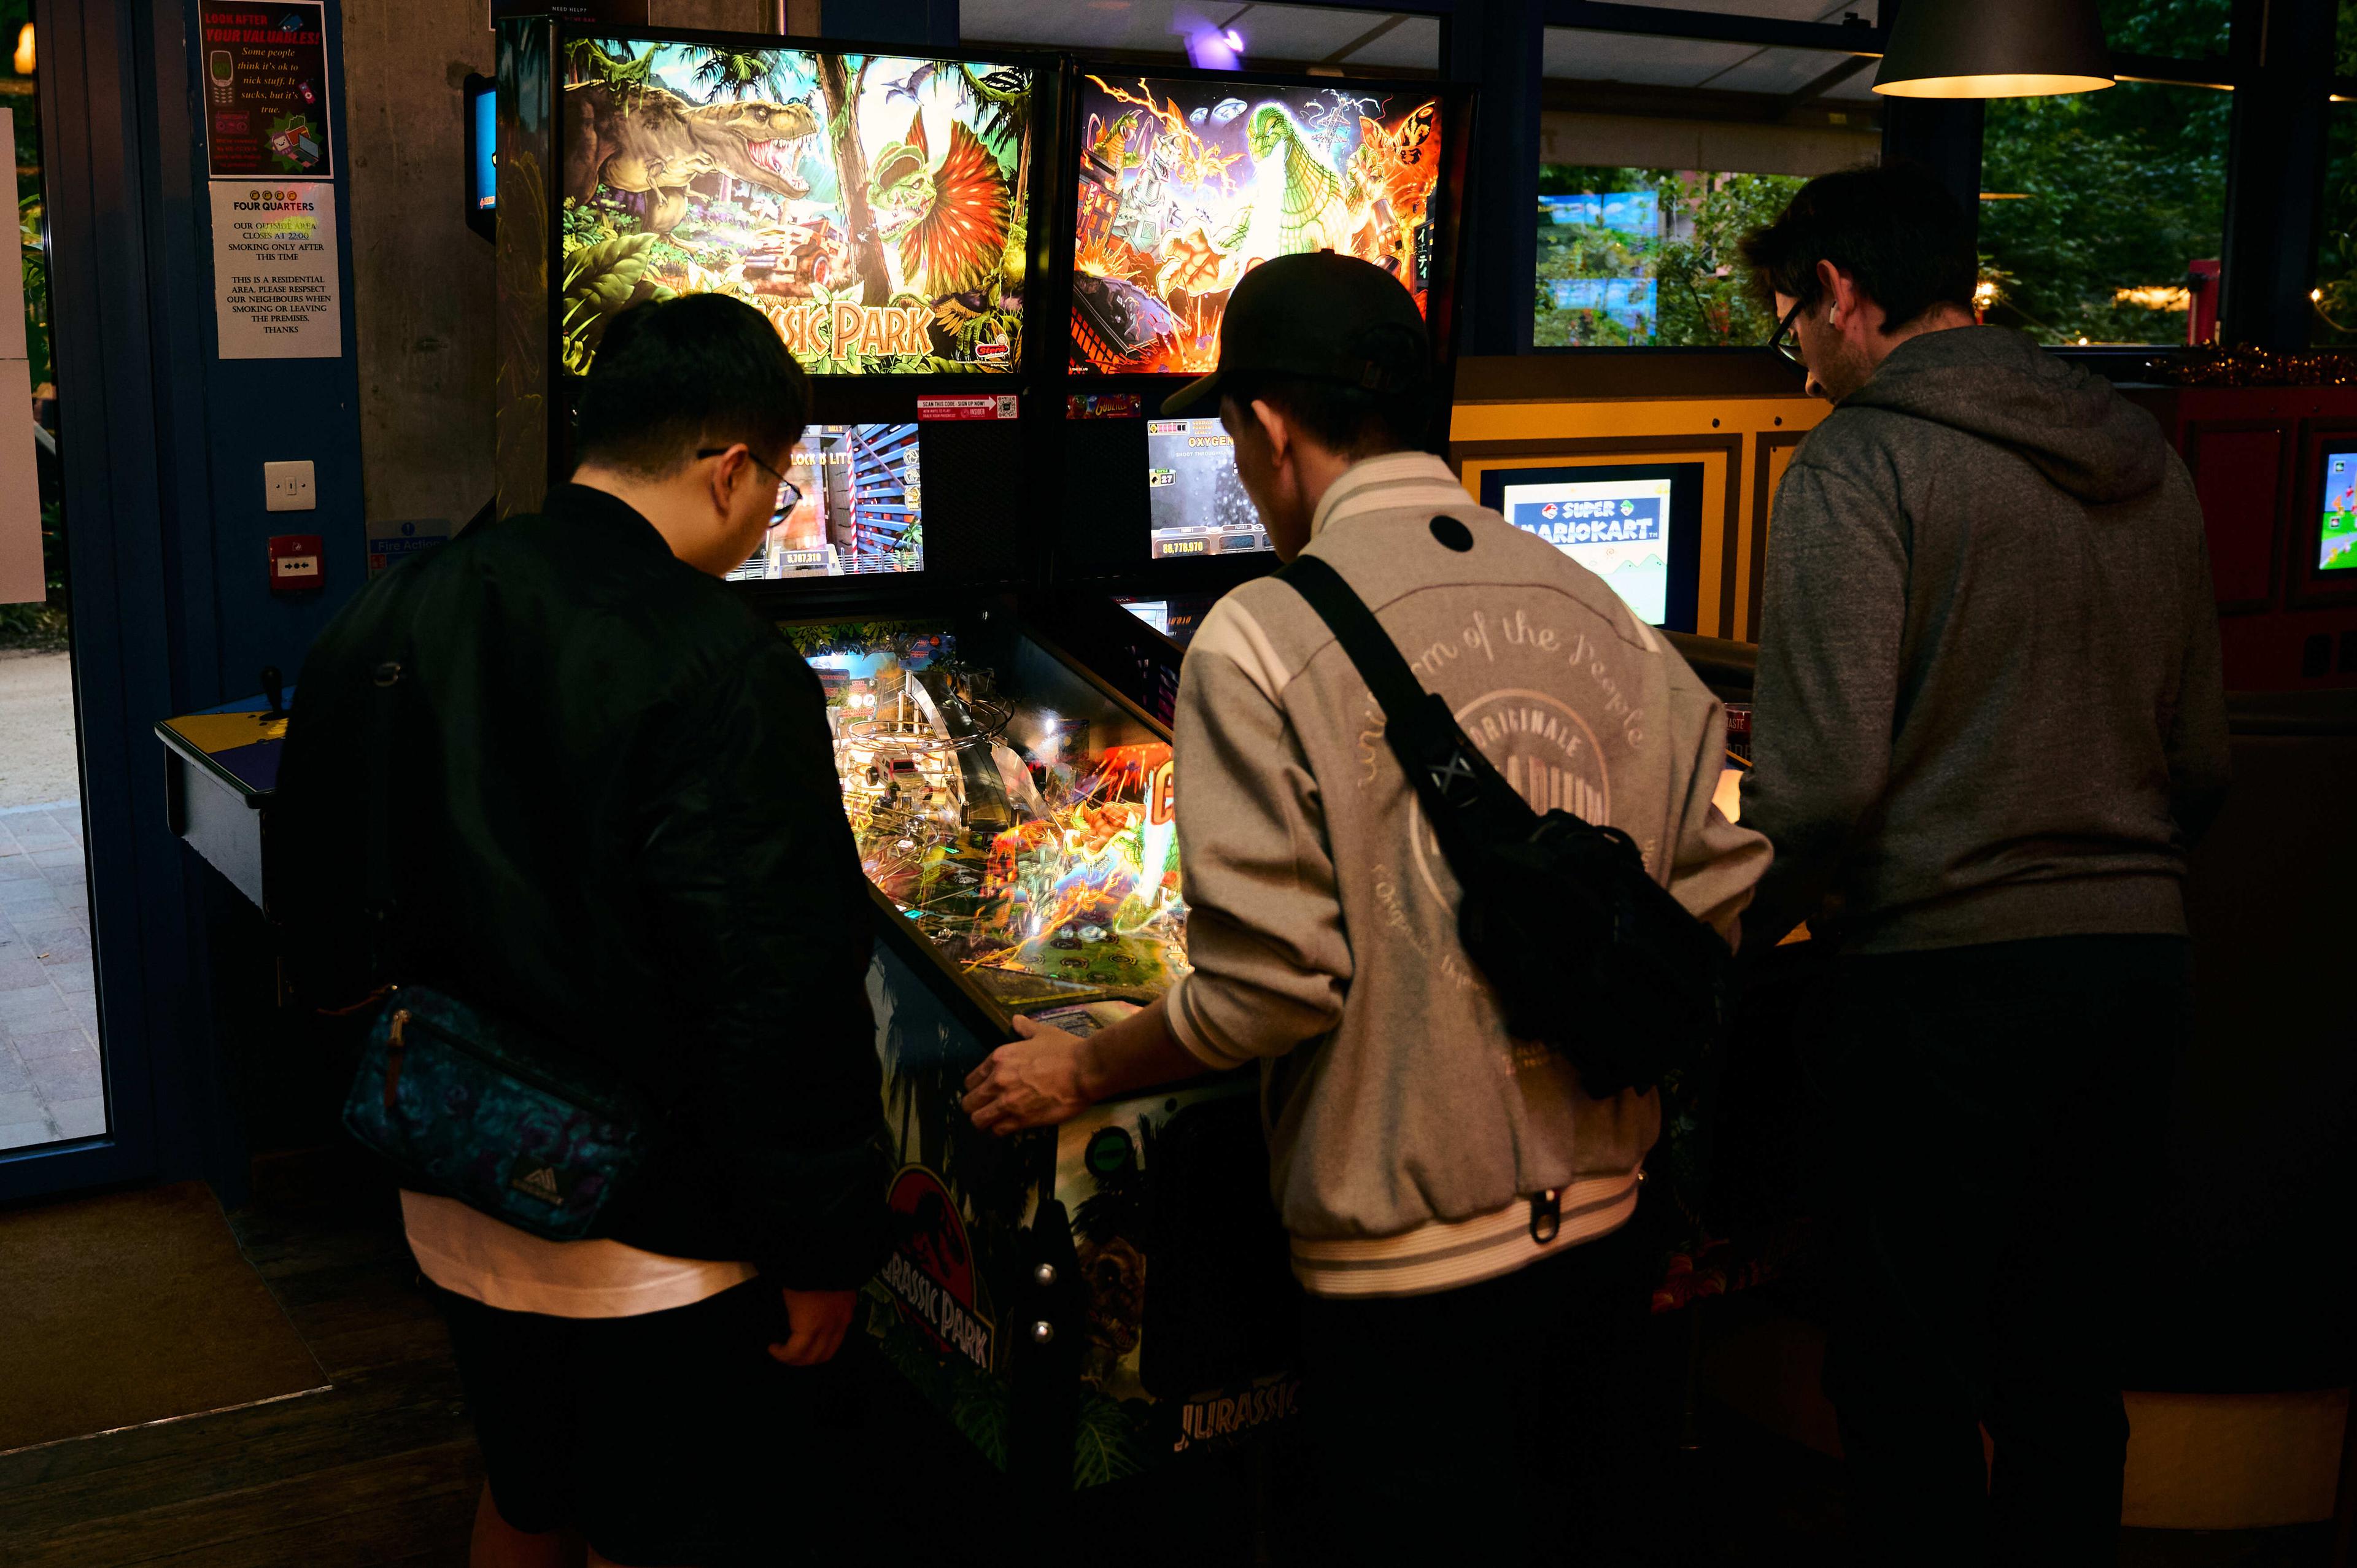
point(49, 1083)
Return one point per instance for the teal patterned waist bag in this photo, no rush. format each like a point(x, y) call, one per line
point(473, 1106)
point(465, 1105)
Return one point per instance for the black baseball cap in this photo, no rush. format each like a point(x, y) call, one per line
point(1317, 316)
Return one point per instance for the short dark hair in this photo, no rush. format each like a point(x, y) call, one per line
point(1893, 227)
point(674, 375)
point(1346, 420)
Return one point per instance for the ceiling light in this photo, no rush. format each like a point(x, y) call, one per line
point(1993, 49)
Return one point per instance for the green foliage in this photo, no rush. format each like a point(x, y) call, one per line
point(36, 625)
point(601, 281)
point(1700, 296)
point(2336, 245)
point(1104, 1439)
point(977, 1404)
point(2173, 30)
point(736, 73)
point(629, 79)
point(815, 639)
point(909, 556)
point(2116, 190)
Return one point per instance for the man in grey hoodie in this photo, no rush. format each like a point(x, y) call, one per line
point(1988, 727)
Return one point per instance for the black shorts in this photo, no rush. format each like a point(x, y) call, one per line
point(672, 1438)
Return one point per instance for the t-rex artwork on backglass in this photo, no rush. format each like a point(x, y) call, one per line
point(872, 206)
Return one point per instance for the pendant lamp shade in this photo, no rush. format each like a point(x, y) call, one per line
point(1993, 49)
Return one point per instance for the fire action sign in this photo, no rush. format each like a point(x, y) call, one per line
point(266, 75)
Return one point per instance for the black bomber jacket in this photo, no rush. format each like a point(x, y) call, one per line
point(613, 815)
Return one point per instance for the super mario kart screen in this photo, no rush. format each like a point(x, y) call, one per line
point(872, 206)
point(2336, 545)
point(1618, 529)
point(1187, 186)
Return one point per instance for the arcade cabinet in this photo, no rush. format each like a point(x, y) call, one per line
point(1175, 184)
point(1012, 811)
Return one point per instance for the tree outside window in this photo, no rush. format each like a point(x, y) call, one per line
point(1646, 257)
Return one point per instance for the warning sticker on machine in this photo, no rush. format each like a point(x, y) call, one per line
point(999, 407)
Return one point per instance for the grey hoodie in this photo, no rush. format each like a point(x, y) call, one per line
point(1989, 702)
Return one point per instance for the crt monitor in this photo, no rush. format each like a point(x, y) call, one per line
point(852, 505)
point(1195, 502)
point(1637, 526)
point(2336, 534)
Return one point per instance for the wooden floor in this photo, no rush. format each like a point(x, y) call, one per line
point(380, 1472)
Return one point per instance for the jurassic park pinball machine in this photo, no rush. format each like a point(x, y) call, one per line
point(1178, 184)
point(1012, 812)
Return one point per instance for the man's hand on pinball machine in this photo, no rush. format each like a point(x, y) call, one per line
point(1036, 1082)
point(1049, 1076)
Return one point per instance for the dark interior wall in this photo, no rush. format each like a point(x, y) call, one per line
point(422, 278)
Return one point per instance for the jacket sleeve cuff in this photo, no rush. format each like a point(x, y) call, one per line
point(1192, 1030)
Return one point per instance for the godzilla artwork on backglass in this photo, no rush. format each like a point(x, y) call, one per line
point(872, 206)
point(1185, 186)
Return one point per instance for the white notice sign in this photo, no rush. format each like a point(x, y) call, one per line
point(275, 270)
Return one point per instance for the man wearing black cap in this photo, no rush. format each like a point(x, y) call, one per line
point(1457, 1205)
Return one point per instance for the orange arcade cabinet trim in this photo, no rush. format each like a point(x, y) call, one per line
point(1739, 415)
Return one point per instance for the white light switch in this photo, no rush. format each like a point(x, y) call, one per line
point(288, 487)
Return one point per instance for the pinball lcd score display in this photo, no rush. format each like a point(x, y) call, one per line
point(1185, 186)
point(872, 206)
point(1198, 506)
point(859, 510)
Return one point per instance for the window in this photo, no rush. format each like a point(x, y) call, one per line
point(2103, 213)
point(1658, 154)
point(2334, 301)
point(2169, 29)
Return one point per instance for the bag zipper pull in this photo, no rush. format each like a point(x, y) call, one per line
point(394, 1046)
point(1546, 1215)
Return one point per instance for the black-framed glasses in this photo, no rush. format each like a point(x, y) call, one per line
point(789, 494)
point(1786, 342)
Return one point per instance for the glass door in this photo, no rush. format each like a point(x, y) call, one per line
point(53, 1087)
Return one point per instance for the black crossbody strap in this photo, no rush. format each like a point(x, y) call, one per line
point(1362, 637)
point(1457, 782)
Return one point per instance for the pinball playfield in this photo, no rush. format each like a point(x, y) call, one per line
point(1022, 820)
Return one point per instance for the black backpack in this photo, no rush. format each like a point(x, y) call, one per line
point(1586, 952)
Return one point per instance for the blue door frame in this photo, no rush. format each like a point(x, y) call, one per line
point(159, 444)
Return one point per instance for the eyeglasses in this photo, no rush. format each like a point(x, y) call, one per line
point(789, 494)
point(1786, 342)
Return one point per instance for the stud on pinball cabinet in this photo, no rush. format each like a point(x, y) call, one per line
point(1092, 1300)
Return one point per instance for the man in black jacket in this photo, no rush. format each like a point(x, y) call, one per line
point(614, 817)
point(1988, 727)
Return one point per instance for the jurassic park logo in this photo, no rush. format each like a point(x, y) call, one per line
point(1212, 1418)
point(839, 328)
point(931, 1272)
